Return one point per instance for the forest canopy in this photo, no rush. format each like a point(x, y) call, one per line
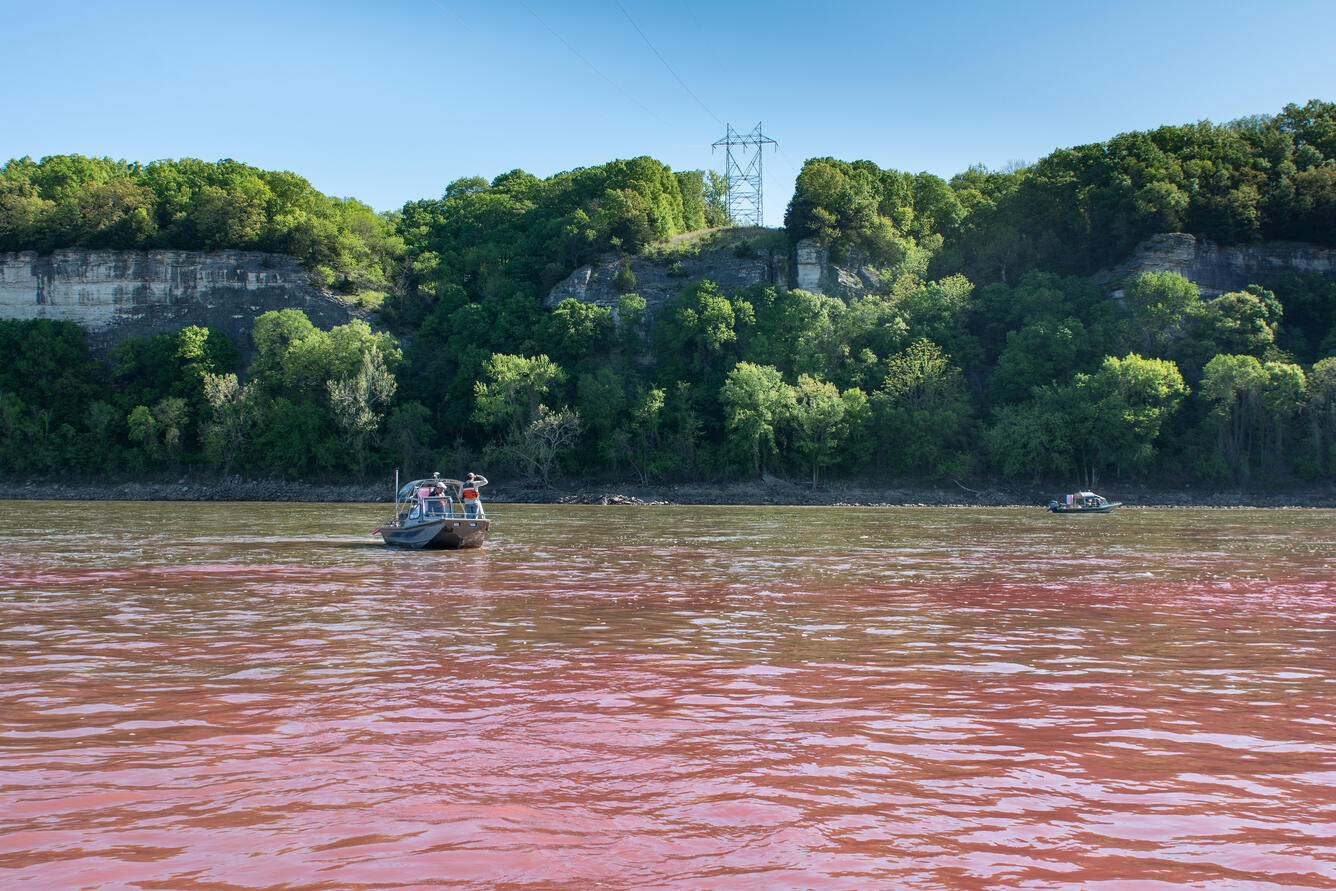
point(987, 349)
point(1080, 209)
point(72, 201)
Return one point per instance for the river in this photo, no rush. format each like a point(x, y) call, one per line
point(247, 696)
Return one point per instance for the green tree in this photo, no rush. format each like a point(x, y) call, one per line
point(601, 403)
point(233, 415)
point(511, 391)
point(756, 400)
point(16, 430)
point(923, 412)
point(143, 430)
point(49, 364)
point(1042, 352)
point(646, 439)
point(1129, 401)
point(625, 280)
point(819, 416)
point(578, 330)
point(100, 422)
point(1032, 437)
point(796, 331)
point(356, 403)
point(701, 326)
point(1233, 385)
point(548, 436)
point(1162, 305)
point(715, 191)
point(1283, 399)
point(408, 432)
point(1321, 415)
point(170, 416)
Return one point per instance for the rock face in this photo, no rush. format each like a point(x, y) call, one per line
point(814, 271)
point(117, 294)
point(659, 279)
point(1217, 268)
point(658, 282)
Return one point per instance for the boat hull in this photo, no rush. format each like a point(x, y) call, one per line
point(1106, 509)
point(444, 533)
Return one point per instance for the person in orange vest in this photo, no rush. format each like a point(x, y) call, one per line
point(472, 503)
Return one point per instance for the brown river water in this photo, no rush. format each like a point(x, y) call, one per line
point(242, 696)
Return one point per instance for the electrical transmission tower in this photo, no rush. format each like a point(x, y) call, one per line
point(743, 152)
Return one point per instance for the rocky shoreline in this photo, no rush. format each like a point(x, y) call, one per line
point(768, 491)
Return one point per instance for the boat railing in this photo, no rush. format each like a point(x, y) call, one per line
point(442, 506)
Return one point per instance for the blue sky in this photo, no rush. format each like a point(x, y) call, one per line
point(389, 102)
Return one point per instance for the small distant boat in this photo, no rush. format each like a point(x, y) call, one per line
point(1084, 503)
point(428, 513)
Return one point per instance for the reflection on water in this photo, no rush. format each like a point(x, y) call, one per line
point(260, 696)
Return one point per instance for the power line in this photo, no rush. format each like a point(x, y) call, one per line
point(654, 50)
point(463, 24)
point(592, 66)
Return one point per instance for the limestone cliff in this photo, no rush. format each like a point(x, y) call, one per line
point(117, 294)
point(730, 258)
point(660, 274)
point(1217, 268)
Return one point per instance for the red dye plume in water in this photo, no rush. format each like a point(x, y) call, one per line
point(252, 696)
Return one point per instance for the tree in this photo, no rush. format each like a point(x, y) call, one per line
point(1042, 352)
point(1234, 385)
point(1161, 304)
point(1321, 413)
point(143, 430)
point(1031, 437)
point(796, 331)
point(755, 400)
point(601, 403)
point(547, 436)
point(630, 324)
point(295, 358)
point(233, 408)
point(170, 416)
point(922, 411)
point(818, 414)
point(13, 425)
point(715, 189)
point(940, 312)
point(99, 421)
point(1238, 323)
point(625, 280)
point(700, 325)
point(407, 434)
point(355, 402)
point(1243, 321)
point(577, 330)
point(511, 391)
point(646, 439)
point(1130, 399)
point(1282, 399)
point(275, 334)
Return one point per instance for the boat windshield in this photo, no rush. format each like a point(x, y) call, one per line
point(409, 490)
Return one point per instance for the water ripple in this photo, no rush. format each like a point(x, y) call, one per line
point(669, 698)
